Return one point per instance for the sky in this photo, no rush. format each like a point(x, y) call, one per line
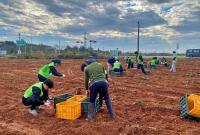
point(112, 23)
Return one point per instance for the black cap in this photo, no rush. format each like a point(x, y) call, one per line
point(57, 61)
point(136, 52)
point(91, 59)
point(174, 51)
point(49, 83)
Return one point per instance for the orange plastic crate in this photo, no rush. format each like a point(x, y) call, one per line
point(77, 98)
point(69, 110)
point(194, 105)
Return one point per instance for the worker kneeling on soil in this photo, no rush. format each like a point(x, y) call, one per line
point(95, 73)
point(164, 62)
point(36, 94)
point(117, 66)
point(153, 63)
point(47, 70)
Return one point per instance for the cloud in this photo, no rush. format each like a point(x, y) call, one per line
point(159, 19)
point(159, 1)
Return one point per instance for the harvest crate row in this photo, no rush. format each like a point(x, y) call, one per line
point(71, 107)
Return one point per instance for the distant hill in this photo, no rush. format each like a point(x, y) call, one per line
point(46, 51)
point(12, 48)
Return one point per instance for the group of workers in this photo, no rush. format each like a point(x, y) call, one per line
point(153, 63)
point(37, 94)
point(95, 84)
point(116, 66)
point(95, 80)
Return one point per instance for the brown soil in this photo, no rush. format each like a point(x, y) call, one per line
point(143, 105)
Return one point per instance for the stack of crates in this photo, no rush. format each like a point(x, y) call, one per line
point(71, 108)
point(190, 106)
point(61, 98)
point(85, 106)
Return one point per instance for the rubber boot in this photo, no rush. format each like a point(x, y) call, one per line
point(109, 107)
point(91, 113)
point(100, 105)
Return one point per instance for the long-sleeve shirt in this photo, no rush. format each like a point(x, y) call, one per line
point(94, 72)
point(174, 57)
point(54, 71)
point(36, 95)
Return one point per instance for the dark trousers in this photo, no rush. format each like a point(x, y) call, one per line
point(31, 102)
point(166, 65)
point(41, 78)
point(101, 88)
point(141, 66)
point(130, 65)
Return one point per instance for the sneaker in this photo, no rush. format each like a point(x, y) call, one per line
point(33, 112)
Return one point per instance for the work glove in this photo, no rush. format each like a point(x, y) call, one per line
point(47, 103)
point(87, 93)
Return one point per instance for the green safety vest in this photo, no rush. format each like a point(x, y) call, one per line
point(139, 60)
point(176, 57)
point(117, 65)
point(28, 93)
point(153, 62)
point(45, 70)
point(130, 60)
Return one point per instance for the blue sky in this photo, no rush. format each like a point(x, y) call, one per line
point(112, 23)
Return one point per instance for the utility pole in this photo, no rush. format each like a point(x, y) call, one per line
point(25, 48)
point(31, 46)
point(85, 42)
point(91, 45)
point(177, 47)
point(92, 41)
point(19, 50)
point(138, 39)
point(59, 48)
point(55, 47)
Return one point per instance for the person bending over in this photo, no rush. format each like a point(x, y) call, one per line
point(49, 69)
point(95, 73)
